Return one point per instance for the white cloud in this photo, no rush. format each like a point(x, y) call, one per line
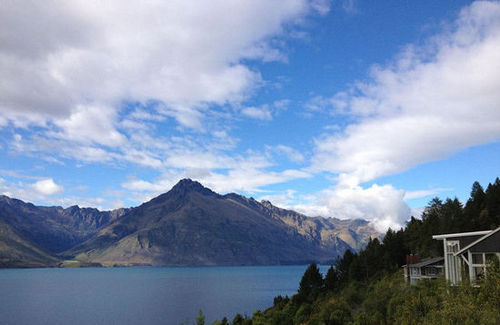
point(67, 55)
point(417, 212)
point(47, 187)
point(249, 179)
point(431, 103)
point(3, 122)
point(90, 124)
point(240, 175)
point(428, 104)
point(383, 205)
point(284, 199)
point(260, 113)
point(267, 111)
point(321, 6)
point(409, 195)
point(71, 69)
point(42, 192)
point(292, 154)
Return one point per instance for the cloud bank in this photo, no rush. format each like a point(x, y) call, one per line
point(67, 58)
point(429, 103)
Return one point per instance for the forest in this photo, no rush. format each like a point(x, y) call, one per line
point(368, 287)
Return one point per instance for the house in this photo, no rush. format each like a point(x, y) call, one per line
point(416, 269)
point(467, 254)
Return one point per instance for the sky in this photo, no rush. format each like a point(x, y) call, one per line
point(346, 109)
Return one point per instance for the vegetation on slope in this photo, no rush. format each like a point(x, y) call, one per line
point(368, 288)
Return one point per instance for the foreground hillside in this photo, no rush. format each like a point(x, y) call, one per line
point(368, 287)
point(189, 225)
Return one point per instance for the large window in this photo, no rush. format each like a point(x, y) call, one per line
point(480, 261)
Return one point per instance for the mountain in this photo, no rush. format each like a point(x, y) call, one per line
point(188, 225)
point(33, 236)
point(192, 225)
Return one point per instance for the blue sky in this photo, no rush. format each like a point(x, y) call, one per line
point(344, 109)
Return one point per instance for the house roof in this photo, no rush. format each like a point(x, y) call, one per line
point(427, 261)
point(462, 234)
point(477, 241)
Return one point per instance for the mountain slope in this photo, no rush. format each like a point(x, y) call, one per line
point(53, 229)
point(16, 251)
point(326, 231)
point(191, 225)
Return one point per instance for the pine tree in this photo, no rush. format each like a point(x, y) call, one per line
point(332, 279)
point(311, 283)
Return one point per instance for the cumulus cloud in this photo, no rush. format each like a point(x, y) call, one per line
point(40, 190)
point(90, 125)
point(431, 102)
point(47, 187)
point(382, 205)
point(67, 55)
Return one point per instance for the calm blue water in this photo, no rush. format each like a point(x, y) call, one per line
point(140, 295)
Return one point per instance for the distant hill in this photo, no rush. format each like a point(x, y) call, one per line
point(189, 225)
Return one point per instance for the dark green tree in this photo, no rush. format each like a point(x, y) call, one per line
point(332, 279)
point(343, 265)
point(491, 219)
point(395, 249)
point(311, 283)
point(473, 207)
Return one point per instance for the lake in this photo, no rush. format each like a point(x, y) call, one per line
point(141, 295)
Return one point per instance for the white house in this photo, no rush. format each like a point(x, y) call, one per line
point(467, 254)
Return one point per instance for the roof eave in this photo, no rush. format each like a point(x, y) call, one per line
point(462, 234)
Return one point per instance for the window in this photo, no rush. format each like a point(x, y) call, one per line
point(477, 258)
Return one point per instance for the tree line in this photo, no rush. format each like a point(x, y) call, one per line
point(368, 287)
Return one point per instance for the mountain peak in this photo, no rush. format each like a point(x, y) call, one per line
point(187, 185)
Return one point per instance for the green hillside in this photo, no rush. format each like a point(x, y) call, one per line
point(368, 287)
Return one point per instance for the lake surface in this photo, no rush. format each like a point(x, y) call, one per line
point(141, 295)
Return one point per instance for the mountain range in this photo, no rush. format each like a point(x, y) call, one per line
point(188, 225)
